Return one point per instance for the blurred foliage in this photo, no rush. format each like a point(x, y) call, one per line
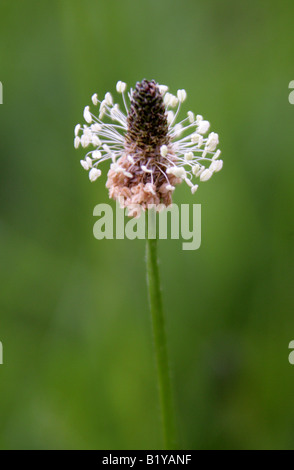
point(78, 366)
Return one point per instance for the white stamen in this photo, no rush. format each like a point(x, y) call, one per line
point(201, 170)
point(150, 188)
point(96, 155)
point(212, 142)
point(178, 129)
point(221, 164)
point(145, 169)
point(196, 168)
point(87, 115)
point(169, 187)
point(128, 174)
point(163, 89)
point(182, 95)
point(94, 99)
point(206, 175)
point(179, 172)
point(167, 99)
point(96, 127)
point(189, 156)
point(173, 101)
point(163, 150)
point(131, 160)
point(106, 148)
point(96, 141)
point(213, 166)
point(191, 117)
point(197, 139)
point(170, 117)
point(117, 168)
point(203, 127)
point(103, 105)
point(85, 140)
point(77, 129)
point(121, 87)
point(94, 174)
point(194, 189)
point(216, 155)
point(77, 142)
point(87, 131)
point(102, 109)
point(89, 161)
point(189, 182)
point(114, 112)
point(84, 164)
point(216, 166)
point(108, 99)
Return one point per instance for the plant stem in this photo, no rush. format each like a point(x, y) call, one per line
point(160, 346)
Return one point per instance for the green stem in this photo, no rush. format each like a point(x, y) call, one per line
point(159, 335)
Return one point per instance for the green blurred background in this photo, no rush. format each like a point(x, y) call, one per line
point(78, 368)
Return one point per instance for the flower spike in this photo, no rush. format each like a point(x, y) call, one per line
point(150, 152)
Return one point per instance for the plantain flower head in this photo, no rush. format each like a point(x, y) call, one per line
point(150, 150)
